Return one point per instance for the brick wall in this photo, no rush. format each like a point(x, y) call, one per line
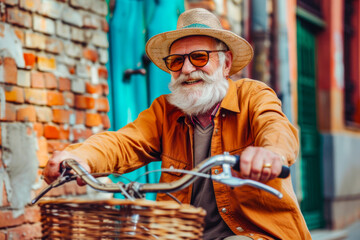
point(53, 92)
point(53, 85)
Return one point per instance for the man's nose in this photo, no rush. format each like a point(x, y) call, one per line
point(187, 67)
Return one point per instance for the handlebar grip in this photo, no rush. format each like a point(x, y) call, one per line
point(285, 170)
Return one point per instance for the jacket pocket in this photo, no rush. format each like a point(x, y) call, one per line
point(170, 163)
point(238, 151)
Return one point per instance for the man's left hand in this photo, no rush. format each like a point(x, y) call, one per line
point(260, 164)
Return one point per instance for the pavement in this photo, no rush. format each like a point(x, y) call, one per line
point(350, 233)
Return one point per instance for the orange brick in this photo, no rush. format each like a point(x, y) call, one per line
point(39, 129)
point(54, 45)
point(14, 94)
point(105, 88)
point(20, 34)
point(10, 70)
point(64, 132)
point(225, 23)
point(50, 80)
point(26, 114)
point(30, 60)
point(42, 152)
point(93, 89)
point(37, 80)
point(209, 5)
point(19, 17)
point(55, 98)
point(31, 231)
point(7, 219)
point(104, 25)
point(43, 114)
point(80, 117)
point(10, 113)
point(64, 84)
point(31, 5)
point(5, 202)
point(55, 145)
point(90, 54)
point(102, 104)
point(61, 115)
point(92, 119)
point(69, 98)
point(2, 30)
point(81, 134)
point(32, 214)
point(105, 121)
point(51, 131)
point(46, 64)
point(72, 70)
point(84, 102)
point(103, 73)
point(35, 96)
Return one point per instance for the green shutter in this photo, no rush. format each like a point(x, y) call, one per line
point(311, 179)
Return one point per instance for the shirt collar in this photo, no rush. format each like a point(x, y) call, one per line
point(195, 120)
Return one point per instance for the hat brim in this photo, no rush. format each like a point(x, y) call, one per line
point(158, 46)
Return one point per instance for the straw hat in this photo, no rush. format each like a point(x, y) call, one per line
point(199, 21)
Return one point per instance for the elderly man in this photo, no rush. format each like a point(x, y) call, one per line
point(207, 114)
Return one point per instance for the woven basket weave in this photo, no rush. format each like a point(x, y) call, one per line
point(120, 219)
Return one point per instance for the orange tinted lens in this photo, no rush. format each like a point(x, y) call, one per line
point(175, 62)
point(199, 58)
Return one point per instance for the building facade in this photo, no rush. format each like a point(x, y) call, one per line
point(66, 67)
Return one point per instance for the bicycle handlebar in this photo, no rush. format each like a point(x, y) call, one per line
point(137, 190)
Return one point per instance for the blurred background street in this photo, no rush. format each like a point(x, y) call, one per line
point(73, 68)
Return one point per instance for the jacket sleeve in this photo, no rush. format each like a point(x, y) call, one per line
point(127, 149)
point(271, 128)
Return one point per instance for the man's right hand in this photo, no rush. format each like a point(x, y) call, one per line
point(52, 169)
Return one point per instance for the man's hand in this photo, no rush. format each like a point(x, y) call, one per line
point(52, 169)
point(260, 164)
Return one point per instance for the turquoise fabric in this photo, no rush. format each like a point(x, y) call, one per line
point(132, 24)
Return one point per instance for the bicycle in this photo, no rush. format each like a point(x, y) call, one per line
point(135, 218)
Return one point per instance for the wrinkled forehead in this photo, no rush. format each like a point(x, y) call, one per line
point(198, 39)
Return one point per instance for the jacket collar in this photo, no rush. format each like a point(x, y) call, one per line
point(231, 99)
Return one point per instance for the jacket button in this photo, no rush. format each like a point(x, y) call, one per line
point(216, 171)
point(240, 229)
point(224, 210)
point(216, 130)
point(223, 115)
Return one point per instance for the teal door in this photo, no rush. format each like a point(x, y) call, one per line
point(311, 179)
point(134, 82)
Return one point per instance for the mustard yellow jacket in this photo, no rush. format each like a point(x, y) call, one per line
point(249, 115)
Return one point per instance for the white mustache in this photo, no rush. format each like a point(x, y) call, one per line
point(198, 74)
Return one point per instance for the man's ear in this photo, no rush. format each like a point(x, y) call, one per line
point(228, 63)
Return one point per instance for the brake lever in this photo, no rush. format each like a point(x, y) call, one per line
point(226, 178)
point(62, 179)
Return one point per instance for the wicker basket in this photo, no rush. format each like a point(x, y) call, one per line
point(120, 219)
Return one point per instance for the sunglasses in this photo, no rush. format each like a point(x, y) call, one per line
point(198, 58)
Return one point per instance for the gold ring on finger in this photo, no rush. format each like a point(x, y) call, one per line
point(267, 165)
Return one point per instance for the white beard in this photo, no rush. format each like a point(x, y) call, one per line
point(198, 99)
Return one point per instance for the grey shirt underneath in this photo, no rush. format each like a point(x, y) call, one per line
point(203, 192)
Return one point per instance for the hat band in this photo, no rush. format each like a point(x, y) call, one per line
point(197, 25)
